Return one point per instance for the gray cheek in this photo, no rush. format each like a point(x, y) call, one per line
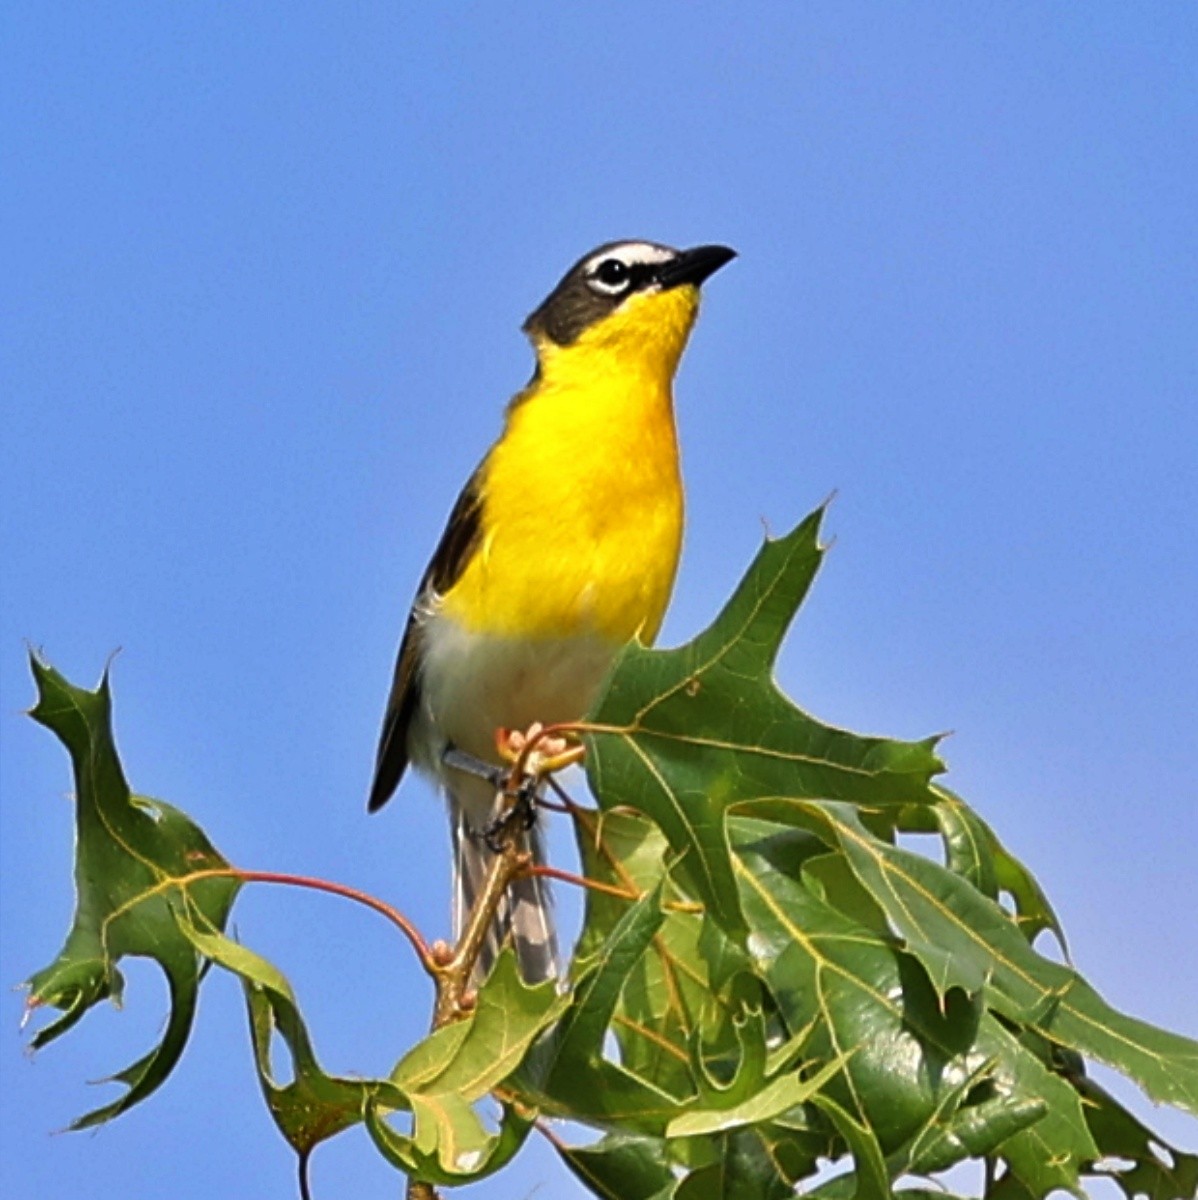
point(570, 310)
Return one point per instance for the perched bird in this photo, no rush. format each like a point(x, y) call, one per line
point(562, 547)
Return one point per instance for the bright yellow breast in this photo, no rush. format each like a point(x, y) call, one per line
point(582, 495)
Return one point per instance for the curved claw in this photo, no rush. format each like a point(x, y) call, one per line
point(535, 764)
point(521, 814)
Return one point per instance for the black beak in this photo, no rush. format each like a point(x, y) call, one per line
point(694, 266)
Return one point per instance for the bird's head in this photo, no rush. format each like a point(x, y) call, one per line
point(631, 304)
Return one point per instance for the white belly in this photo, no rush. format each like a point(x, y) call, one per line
point(472, 684)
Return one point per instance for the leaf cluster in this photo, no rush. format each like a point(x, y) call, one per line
point(773, 990)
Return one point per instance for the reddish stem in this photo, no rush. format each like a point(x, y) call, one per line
point(608, 889)
point(324, 885)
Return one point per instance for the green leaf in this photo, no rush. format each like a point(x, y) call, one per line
point(870, 1178)
point(681, 991)
point(621, 1167)
point(443, 1077)
point(450, 1144)
point(961, 1128)
point(136, 862)
point(567, 1072)
point(854, 992)
point(1139, 1161)
point(686, 733)
point(508, 1014)
point(744, 1166)
point(765, 1101)
point(314, 1106)
point(964, 939)
point(1051, 1151)
point(974, 852)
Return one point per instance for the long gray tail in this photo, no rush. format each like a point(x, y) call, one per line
point(525, 915)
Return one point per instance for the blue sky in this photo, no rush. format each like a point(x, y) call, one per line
point(264, 270)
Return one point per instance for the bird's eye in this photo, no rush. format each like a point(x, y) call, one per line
point(611, 276)
point(612, 272)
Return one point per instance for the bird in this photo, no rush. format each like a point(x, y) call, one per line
point(562, 547)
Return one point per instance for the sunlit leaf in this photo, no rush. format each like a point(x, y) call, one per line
point(443, 1078)
point(767, 1099)
point(965, 939)
point(692, 731)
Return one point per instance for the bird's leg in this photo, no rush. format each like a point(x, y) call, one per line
point(459, 760)
point(520, 812)
point(531, 756)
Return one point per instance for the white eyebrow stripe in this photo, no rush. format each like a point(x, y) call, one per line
point(632, 254)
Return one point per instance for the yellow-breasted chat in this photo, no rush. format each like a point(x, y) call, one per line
point(561, 548)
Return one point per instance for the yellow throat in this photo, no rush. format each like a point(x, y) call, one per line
point(582, 494)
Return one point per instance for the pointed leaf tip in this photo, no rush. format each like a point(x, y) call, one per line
point(127, 855)
point(694, 731)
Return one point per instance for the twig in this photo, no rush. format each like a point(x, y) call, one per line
point(454, 1000)
point(453, 978)
point(543, 1129)
point(306, 881)
point(349, 893)
point(610, 889)
point(594, 885)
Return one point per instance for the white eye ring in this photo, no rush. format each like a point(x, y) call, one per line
point(610, 277)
